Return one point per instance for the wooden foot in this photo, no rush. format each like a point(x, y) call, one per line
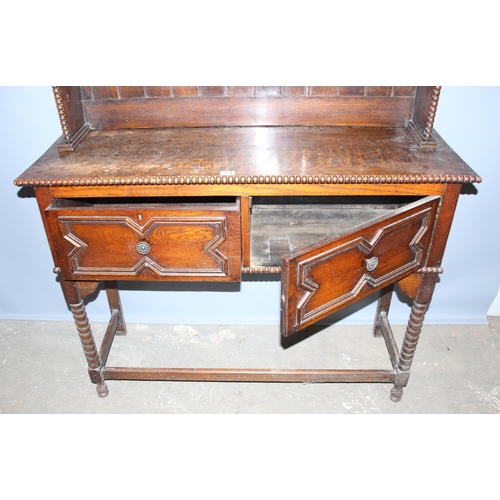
point(102, 390)
point(396, 394)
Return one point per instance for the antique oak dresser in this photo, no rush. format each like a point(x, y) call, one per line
point(344, 191)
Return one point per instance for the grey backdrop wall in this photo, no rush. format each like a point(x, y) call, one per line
point(466, 119)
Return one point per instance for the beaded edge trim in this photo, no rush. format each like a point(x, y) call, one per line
point(243, 180)
point(277, 269)
point(432, 113)
point(62, 113)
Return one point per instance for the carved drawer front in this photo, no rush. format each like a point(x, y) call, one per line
point(321, 279)
point(148, 242)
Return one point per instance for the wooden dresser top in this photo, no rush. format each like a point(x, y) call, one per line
point(242, 154)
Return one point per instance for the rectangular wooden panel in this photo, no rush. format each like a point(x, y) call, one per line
point(294, 91)
point(158, 92)
point(69, 106)
point(185, 91)
point(352, 90)
point(105, 92)
point(331, 91)
point(150, 242)
point(268, 91)
point(248, 111)
point(240, 91)
point(404, 91)
point(86, 93)
point(423, 100)
point(212, 91)
point(131, 92)
point(324, 278)
point(378, 91)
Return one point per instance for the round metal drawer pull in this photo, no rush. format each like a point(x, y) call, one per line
point(143, 248)
point(371, 264)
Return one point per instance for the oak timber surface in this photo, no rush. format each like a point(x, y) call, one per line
point(245, 151)
point(279, 229)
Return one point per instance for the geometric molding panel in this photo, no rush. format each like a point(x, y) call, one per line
point(178, 245)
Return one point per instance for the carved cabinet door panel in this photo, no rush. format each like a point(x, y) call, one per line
point(140, 243)
point(318, 280)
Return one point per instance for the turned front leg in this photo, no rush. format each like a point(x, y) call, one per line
point(77, 307)
point(412, 334)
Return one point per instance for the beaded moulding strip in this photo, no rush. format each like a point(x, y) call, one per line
point(277, 269)
point(62, 114)
point(430, 270)
point(423, 136)
point(243, 180)
point(261, 270)
point(432, 113)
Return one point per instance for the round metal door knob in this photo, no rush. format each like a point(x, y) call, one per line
point(143, 248)
point(371, 264)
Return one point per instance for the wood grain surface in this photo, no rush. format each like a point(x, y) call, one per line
point(365, 154)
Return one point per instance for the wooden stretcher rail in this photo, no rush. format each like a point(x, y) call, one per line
point(247, 375)
point(390, 343)
point(109, 336)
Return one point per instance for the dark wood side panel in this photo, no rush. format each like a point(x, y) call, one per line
point(443, 224)
point(105, 93)
point(70, 110)
point(422, 104)
point(153, 92)
point(421, 124)
point(242, 111)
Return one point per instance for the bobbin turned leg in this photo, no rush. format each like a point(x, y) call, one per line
point(412, 335)
point(75, 302)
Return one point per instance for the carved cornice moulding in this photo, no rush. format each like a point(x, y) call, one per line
point(242, 180)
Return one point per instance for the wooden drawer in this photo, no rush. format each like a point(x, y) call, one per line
point(325, 277)
point(152, 240)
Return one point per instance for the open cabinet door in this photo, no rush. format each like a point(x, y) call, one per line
point(321, 279)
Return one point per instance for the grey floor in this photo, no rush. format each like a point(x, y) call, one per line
point(43, 371)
